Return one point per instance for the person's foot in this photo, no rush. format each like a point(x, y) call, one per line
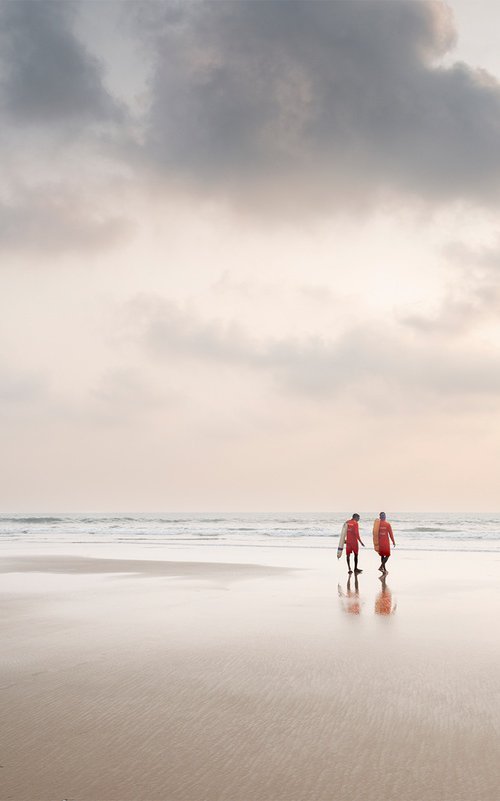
point(349, 571)
point(381, 568)
point(357, 570)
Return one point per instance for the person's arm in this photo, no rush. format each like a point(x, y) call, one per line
point(360, 540)
point(391, 535)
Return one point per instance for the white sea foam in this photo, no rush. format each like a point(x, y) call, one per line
point(451, 531)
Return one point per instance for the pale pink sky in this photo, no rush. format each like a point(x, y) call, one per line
point(250, 256)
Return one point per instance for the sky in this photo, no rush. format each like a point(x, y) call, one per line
point(249, 255)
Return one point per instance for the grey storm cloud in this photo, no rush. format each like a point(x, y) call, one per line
point(276, 107)
point(306, 103)
point(283, 107)
point(53, 101)
point(359, 358)
point(47, 74)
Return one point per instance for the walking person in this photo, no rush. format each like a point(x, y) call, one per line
point(351, 540)
point(382, 538)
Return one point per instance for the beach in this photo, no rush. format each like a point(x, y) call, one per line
point(250, 294)
point(245, 673)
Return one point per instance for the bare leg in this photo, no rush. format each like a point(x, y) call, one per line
point(356, 564)
point(349, 562)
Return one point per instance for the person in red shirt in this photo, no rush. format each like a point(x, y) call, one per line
point(351, 541)
point(384, 546)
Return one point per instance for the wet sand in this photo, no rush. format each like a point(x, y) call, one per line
point(203, 675)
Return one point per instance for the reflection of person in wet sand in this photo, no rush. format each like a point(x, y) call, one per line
point(350, 599)
point(383, 602)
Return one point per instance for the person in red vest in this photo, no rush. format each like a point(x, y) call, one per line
point(351, 541)
point(384, 546)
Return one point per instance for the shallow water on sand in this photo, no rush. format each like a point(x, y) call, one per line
point(264, 675)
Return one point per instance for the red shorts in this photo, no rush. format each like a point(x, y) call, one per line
point(351, 549)
point(384, 547)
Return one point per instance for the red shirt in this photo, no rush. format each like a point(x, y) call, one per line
point(352, 535)
point(385, 530)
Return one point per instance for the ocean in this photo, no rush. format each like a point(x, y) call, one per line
point(413, 531)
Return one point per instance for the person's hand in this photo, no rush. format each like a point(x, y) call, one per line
point(363, 544)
